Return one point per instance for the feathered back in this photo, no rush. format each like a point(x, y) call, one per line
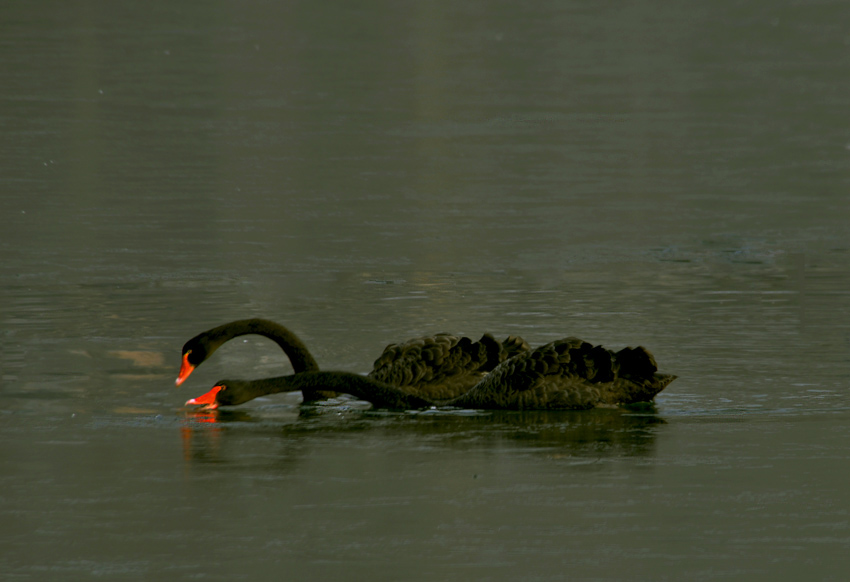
point(568, 374)
point(443, 366)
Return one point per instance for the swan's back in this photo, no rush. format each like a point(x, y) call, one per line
point(569, 374)
point(443, 366)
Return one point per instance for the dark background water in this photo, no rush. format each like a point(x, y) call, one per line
point(673, 175)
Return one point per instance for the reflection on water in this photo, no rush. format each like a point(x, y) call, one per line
point(341, 489)
point(594, 433)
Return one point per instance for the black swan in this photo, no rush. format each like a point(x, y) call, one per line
point(437, 367)
point(567, 374)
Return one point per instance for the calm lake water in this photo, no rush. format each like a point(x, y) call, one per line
point(674, 176)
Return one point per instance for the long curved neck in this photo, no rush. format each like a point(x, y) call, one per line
point(379, 394)
point(299, 356)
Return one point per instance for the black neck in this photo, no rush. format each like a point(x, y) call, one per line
point(379, 394)
point(299, 356)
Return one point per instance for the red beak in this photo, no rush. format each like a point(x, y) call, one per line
point(185, 369)
point(208, 399)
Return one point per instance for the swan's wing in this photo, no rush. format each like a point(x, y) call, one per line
point(443, 366)
point(569, 374)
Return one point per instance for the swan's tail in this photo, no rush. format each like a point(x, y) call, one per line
point(637, 365)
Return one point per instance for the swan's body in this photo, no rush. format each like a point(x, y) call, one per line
point(437, 367)
point(567, 374)
point(443, 366)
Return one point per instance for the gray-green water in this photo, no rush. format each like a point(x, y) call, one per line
point(673, 175)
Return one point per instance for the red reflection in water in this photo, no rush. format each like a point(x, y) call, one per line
point(205, 416)
point(205, 426)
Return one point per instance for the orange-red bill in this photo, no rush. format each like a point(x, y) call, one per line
point(185, 369)
point(208, 399)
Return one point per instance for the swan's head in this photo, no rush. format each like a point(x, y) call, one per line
point(224, 393)
point(208, 400)
point(195, 351)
